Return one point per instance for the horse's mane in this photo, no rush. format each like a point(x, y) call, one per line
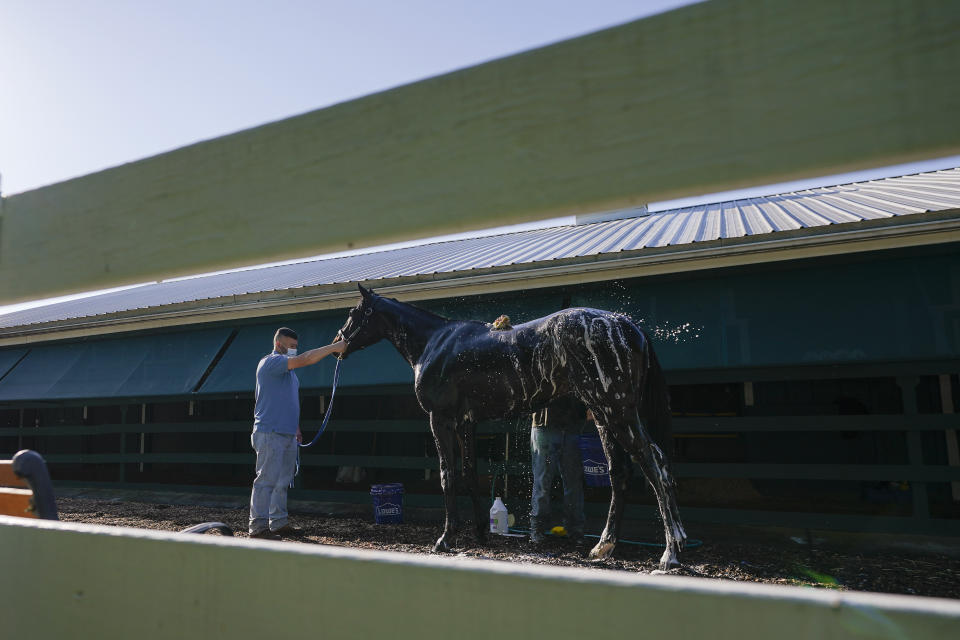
point(431, 314)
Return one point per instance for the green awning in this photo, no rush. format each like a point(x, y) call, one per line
point(138, 366)
point(236, 371)
point(379, 364)
point(9, 359)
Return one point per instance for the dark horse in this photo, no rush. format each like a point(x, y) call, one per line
point(465, 372)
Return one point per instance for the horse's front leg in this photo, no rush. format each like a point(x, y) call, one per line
point(443, 436)
point(619, 479)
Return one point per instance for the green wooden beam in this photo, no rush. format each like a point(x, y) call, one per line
point(713, 96)
point(847, 472)
point(681, 425)
point(512, 467)
point(850, 522)
point(243, 426)
point(812, 372)
point(774, 424)
point(239, 426)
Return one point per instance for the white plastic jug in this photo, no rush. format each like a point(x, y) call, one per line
point(498, 517)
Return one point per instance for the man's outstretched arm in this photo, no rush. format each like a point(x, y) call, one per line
point(315, 355)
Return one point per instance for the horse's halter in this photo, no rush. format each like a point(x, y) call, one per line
point(363, 323)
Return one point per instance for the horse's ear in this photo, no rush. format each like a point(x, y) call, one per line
point(364, 292)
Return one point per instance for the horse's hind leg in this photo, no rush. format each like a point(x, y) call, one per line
point(653, 462)
point(619, 479)
point(443, 435)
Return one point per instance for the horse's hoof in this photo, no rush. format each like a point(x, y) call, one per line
point(669, 561)
point(441, 547)
point(602, 551)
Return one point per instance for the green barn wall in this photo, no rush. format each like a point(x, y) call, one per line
point(872, 308)
point(876, 309)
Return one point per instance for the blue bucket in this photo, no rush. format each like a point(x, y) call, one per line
point(596, 469)
point(387, 503)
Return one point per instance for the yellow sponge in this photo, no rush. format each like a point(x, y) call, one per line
point(559, 531)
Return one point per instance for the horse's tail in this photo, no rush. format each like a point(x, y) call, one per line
point(654, 405)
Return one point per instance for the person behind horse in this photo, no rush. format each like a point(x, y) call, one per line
point(276, 431)
point(554, 447)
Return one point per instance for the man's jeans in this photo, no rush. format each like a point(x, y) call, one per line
point(553, 450)
point(276, 464)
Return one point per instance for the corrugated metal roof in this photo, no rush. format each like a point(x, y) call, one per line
point(849, 203)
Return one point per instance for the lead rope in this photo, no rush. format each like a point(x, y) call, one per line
point(326, 419)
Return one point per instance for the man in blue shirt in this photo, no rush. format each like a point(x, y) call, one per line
point(276, 431)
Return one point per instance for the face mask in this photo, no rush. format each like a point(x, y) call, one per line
point(292, 351)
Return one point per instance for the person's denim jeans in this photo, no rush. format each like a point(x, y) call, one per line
point(553, 450)
point(276, 464)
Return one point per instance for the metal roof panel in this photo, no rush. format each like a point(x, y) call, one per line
point(840, 204)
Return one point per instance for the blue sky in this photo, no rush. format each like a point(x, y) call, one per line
point(93, 84)
point(89, 85)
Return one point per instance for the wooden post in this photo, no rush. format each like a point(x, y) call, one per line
point(908, 389)
point(122, 474)
point(506, 468)
point(143, 437)
point(953, 452)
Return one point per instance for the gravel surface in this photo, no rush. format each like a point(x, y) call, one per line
point(919, 569)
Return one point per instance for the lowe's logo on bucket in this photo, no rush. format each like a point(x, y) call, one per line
point(595, 468)
point(388, 509)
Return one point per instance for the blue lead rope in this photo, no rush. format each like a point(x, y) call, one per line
point(326, 418)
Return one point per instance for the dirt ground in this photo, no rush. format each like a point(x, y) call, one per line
point(916, 567)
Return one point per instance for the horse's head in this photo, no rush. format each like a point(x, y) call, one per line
point(363, 327)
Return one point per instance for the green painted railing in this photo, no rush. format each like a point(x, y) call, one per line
point(681, 425)
point(681, 470)
point(916, 473)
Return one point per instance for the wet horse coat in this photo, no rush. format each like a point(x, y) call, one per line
point(465, 372)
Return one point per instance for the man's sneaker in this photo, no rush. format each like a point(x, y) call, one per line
point(265, 534)
point(288, 530)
